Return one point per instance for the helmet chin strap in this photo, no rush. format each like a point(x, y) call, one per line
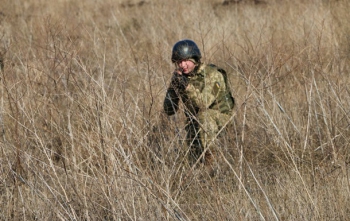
point(197, 66)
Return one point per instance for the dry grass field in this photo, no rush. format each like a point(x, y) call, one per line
point(83, 135)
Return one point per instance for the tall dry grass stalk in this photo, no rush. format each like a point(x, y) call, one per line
point(83, 136)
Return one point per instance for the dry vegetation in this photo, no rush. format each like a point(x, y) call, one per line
point(83, 136)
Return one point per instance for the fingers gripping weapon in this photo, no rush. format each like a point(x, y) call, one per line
point(179, 81)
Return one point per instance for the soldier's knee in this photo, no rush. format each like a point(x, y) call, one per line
point(207, 118)
point(208, 123)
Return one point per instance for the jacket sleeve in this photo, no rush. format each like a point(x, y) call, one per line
point(171, 102)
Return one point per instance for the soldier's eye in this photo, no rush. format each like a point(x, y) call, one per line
point(180, 62)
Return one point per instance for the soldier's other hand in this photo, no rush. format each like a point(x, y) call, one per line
point(180, 81)
point(177, 72)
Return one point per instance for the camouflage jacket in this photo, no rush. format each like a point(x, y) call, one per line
point(207, 89)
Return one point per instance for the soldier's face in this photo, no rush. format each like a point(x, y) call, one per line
point(186, 66)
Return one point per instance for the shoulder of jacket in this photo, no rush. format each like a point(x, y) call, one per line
point(206, 69)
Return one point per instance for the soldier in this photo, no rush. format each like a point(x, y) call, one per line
point(206, 96)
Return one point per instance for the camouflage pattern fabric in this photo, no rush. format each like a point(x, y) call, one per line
point(201, 132)
point(208, 106)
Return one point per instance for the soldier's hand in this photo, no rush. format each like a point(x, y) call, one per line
point(180, 81)
point(177, 71)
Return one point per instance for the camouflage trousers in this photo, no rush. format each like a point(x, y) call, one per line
point(201, 134)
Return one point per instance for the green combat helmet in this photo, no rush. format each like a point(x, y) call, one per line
point(185, 49)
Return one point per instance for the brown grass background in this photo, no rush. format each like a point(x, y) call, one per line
point(83, 136)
